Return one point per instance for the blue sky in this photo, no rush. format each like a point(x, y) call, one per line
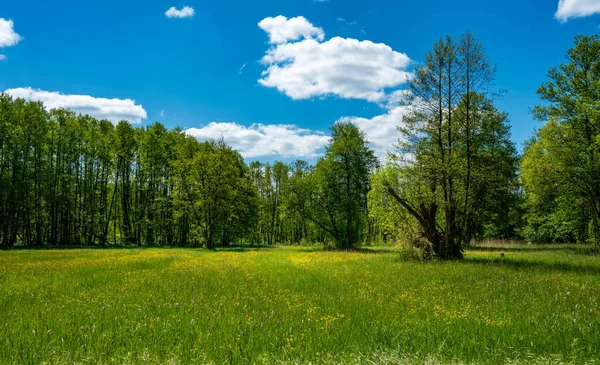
point(271, 76)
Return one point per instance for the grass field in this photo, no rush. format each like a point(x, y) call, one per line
point(298, 305)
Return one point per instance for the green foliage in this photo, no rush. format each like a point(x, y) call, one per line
point(457, 168)
point(561, 167)
point(334, 195)
point(73, 180)
point(390, 223)
point(555, 213)
point(226, 199)
point(70, 179)
point(278, 221)
point(298, 305)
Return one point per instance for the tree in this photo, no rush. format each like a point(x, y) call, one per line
point(71, 179)
point(554, 209)
point(572, 104)
point(125, 150)
point(227, 199)
point(455, 150)
point(336, 196)
point(391, 223)
point(185, 195)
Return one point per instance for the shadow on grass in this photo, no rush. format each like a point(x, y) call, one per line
point(365, 250)
point(533, 248)
point(241, 248)
point(230, 248)
point(73, 247)
point(536, 265)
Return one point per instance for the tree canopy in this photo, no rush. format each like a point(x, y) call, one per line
point(561, 167)
point(457, 163)
point(70, 179)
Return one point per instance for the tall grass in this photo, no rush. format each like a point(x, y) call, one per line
point(296, 305)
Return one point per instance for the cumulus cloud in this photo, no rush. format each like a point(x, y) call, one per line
point(395, 99)
point(381, 131)
point(289, 141)
point(185, 12)
point(281, 29)
point(576, 8)
point(343, 67)
point(302, 65)
point(8, 36)
point(261, 140)
point(114, 110)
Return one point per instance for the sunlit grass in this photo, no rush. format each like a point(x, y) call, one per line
point(297, 305)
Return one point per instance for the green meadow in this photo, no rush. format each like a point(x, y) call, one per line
point(298, 305)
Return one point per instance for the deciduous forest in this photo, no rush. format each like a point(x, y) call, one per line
point(454, 177)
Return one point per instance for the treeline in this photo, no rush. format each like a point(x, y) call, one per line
point(70, 179)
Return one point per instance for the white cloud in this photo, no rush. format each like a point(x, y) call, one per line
point(342, 67)
point(395, 99)
point(260, 140)
point(289, 141)
point(185, 12)
point(114, 110)
point(381, 130)
point(2, 57)
point(282, 30)
point(8, 36)
point(576, 8)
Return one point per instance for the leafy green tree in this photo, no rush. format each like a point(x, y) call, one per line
point(185, 195)
point(335, 193)
point(390, 223)
point(572, 141)
point(554, 209)
point(125, 151)
point(71, 179)
point(227, 199)
point(279, 221)
point(456, 151)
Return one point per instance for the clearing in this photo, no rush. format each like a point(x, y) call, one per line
point(298, 305)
